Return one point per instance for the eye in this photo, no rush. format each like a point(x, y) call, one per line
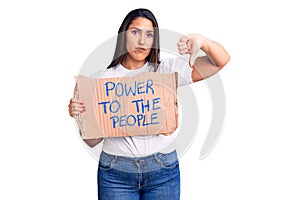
point(134, 32)
point(149, 35)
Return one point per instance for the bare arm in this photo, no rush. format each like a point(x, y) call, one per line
point(92, 142)
point(206, 66)
point(75, 108)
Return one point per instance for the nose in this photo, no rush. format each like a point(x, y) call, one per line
point(142, 39)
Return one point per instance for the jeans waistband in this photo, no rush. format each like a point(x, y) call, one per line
point(140, 164)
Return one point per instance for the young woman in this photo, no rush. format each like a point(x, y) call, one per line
point(146, 167)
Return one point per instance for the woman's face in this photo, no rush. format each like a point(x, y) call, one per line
point(139, 39)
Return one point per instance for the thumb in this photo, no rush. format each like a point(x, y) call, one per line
point(193, 57)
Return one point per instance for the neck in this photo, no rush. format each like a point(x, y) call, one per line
point(133, 64)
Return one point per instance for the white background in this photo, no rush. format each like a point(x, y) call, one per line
point(44, 43)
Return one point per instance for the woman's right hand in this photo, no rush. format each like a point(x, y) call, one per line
point(76, 107)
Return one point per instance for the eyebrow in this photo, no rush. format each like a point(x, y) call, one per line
point(140, 29)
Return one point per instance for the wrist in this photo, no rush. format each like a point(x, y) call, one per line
point(201, 41)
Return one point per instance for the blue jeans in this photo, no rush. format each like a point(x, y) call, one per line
point(154, 177)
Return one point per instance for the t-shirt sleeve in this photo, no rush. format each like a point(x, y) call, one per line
point(96, 74)
point(180, 65)
point(108, 73)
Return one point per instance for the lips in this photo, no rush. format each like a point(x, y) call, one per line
point(140, 49)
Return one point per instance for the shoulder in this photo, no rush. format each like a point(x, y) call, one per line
point(107, 73)
point(178, 64)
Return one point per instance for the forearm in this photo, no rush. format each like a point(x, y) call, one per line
point(217, 54)
point(92, 142)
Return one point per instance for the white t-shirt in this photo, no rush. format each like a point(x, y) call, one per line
point(139, 146)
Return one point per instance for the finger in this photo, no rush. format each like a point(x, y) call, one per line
point(184, 51)
point(75, 112)
point(183, 39)
point(76, 107)
point(182, 47)
point(75, 104)
point(181, 43)
point(192, 60)
point(74, 100)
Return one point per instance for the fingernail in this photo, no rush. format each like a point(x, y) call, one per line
point(187, 42)
point(81, 103)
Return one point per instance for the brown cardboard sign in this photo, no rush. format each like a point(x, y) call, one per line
point(145, 104)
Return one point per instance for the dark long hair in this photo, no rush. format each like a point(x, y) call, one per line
point(121, 51)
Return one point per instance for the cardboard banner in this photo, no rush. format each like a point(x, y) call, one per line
point(145, 104)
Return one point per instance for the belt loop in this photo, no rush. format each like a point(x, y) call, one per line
point(156, 158)
point(115, 158)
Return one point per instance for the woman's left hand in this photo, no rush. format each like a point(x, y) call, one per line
point(191, 44)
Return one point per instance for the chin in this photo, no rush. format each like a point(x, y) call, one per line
point(139, 58)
